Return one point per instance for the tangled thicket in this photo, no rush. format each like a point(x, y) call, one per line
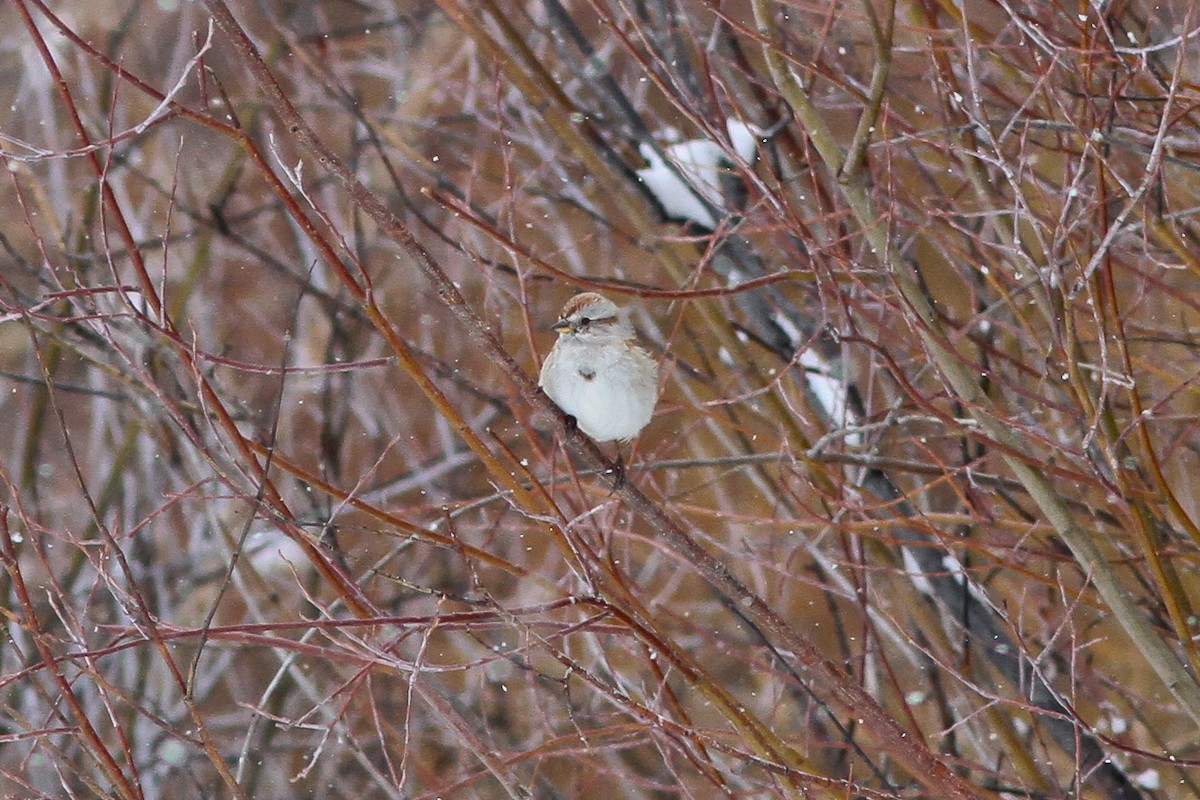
point(282, 513)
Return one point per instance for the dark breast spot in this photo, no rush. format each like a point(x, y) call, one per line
point(587, 373)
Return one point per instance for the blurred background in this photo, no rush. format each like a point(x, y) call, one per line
point(280, 517)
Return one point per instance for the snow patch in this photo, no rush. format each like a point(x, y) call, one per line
point(693, 187)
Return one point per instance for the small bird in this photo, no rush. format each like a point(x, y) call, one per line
point(597, 373)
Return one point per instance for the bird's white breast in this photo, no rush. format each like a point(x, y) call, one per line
point(617, 401)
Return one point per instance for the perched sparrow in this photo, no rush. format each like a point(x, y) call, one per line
point(597, 374)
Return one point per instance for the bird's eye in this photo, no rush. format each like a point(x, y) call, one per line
point(585, 321)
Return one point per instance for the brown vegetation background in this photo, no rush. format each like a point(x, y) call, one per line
point(282, 514)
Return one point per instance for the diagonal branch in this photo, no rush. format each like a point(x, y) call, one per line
point(965, 385)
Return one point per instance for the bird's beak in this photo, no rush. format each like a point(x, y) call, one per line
point(562, 326)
